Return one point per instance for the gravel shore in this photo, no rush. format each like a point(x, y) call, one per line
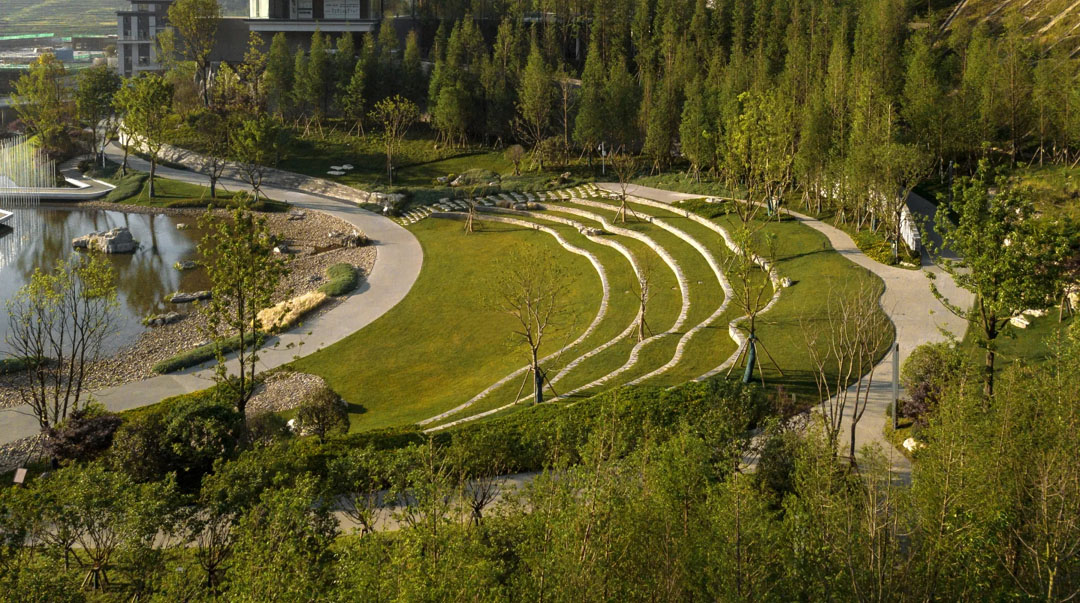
point(311, 252)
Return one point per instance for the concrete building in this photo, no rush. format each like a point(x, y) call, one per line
point(297, 19)
point(137, 29)
point(136, 47)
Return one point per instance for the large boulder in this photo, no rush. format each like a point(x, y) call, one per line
point(117, 240)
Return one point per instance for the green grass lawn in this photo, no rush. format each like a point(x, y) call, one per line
point(803, 255)
point(1055, 189)
point(444, 342)
point(134, 189)
point(1031, 345)
point(622, 310)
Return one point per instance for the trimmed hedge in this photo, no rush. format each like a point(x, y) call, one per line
point(14, 365)
point(199, 355)
point(343, 279)
point(227, 202)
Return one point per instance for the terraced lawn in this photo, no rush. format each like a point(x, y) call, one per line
point(445, 342)
point(441, 357)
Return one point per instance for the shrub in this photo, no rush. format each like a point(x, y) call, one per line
point(185, 434)
point(703, 208)
point(281, 316)
point(226, 202)
point(196, 433)
point(343, 279)
point(266, 428)
point(85, 434)
point(322, 413)
point(199, 355)
point(137, 447)
point(926, 373)
point(14, 365)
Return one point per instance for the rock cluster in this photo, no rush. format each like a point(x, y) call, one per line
point(117, 240)
point(350, 240)
point(160, 320)
point(187, 298)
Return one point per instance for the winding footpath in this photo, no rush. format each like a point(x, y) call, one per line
point(397, 265)
point(917, 315)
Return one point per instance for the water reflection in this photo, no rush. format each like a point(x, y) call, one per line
point(38, 237)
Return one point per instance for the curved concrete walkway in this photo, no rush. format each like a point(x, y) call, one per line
point(396, 268)
point(918, 316)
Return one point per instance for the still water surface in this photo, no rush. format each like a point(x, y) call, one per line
point(39, 237)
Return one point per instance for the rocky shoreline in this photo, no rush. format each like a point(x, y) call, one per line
point(311, 251)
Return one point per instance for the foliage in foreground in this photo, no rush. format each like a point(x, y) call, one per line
point(640, 500)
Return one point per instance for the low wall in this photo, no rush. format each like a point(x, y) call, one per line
point(272, 177)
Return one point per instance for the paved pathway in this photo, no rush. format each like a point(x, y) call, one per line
point(919, 317)
point(396, 269)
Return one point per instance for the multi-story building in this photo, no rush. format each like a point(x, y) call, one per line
point(136, 44)
point(136, 41)
point(297, 19)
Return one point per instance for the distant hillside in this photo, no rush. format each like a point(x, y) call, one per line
point(66, 17)
point(1049, 22)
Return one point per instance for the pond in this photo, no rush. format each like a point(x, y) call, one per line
point(38, 237)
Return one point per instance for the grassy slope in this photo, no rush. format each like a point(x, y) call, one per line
point(1030, 345)
point(441, 341)
point(134, 189)
point(622, 309)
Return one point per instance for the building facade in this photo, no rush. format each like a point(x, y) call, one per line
point(138, 27)
point(305, 15)
point(137, 30)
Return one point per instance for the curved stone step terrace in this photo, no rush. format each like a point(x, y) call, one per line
point(710, 258)
point(605, 298)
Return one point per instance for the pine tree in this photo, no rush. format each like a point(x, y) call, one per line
point(623, 99)
point(592, 115)
point(344, 65)
point(537, 101)
point(278, 77)
point(300, 78)
point(319, 72)
point(1015, 78)
point(412, 72)
point(662, 122)
point(386, 48)
point(353, 100)
point(696, 130)
point(924, 97)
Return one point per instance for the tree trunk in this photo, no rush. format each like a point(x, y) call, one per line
point(538, 380)
point(751, 358)
point(213, 187)
point(153, 169)
point(988, 371)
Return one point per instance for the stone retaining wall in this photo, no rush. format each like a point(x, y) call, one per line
point(272, 177)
